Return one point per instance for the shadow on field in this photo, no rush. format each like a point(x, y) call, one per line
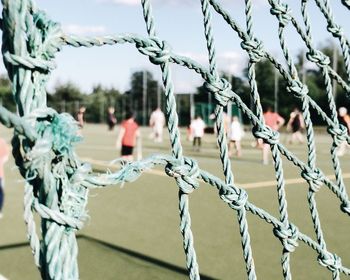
point(173, 270)
point(14, 246)
point(142, 257)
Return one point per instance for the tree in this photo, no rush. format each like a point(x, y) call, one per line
point(341, 96)
point(6, 97)
point(316, 82)
point(66, 98)
point(136, 92)
point(98, 102)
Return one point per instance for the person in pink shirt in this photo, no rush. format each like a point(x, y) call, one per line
point(128, 134)
point(197, 127)
point(80, 116)
point(4, 154)
point(274, 121)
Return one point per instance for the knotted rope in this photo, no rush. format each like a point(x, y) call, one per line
point(57, 183)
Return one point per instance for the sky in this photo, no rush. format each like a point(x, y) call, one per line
point(180, 23)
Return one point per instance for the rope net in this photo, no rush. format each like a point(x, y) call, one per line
point(57, 182)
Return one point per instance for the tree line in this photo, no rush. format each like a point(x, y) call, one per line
point(146, 93)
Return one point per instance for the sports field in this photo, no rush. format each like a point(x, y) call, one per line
point(133, 231)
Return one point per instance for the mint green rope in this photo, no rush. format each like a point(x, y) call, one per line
point(57, 183)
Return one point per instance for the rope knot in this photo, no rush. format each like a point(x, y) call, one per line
point(51, 33)
point(254, 48)
point(44, 40)
point(314, 176)
point(56, 134)
point(331, 261)
point(282, 12)
point(268, 135)
point(288, 236)
point(59, 129)
point(158, 51)
point(221, 89)
point(346, 3)
point(236, 199)
point(28, 62)
point(318, 57)
point(339, 134)
point(335, 29)
point(345, 207)
point(131, 171)
point(185, 174)
point(299, 89)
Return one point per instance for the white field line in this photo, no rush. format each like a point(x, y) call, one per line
point(3, 277)
point(210, 149)
point(262, 184)
point(291, 181)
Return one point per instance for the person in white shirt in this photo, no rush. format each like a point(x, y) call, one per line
point(157, 121)
point(236, 133)
point(197, 131)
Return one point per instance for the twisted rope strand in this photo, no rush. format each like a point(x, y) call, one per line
point(58, 183)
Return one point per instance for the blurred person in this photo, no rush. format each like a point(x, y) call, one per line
point(111, 119)
point(128, 134)
point(189, 136)
point(197, 131)
point(344, 119)
point(4, 155)
point(226, 122)
point(236, 133)
point(274, 121)
point(80, 116)
point(296, 125)
point(157, 122)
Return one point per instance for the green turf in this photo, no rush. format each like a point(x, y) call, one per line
point(138, 225)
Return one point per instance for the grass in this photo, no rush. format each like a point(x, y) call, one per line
point(133, 232)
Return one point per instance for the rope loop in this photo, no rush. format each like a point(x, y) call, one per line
point(236, 199)
point(282, 12)
point(314, 178)
point(158, 51)
point(37, 64)
point(331, 261)
point(185, 174)
point(346, 3)
point(339, 134)
point(318, 57)
point(268, 135)
point(287, 236)
point(299, 89)
point(50, 32)
point(335, 29)
point(221, 89)
point(254, 48)
point(345, 207)
point(60, 131)
point(58, 217)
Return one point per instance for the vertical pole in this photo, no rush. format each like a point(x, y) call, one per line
point(209, 105)
point(192, 106)
point(158, 95)
point(123, 106)
point(335, 68)
point(63, 105)
point(101, 111)
point(229, 104)
point(303, 69)
point(76, 104)
point(178, 105)
point(144, 99)
point(276, 90)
